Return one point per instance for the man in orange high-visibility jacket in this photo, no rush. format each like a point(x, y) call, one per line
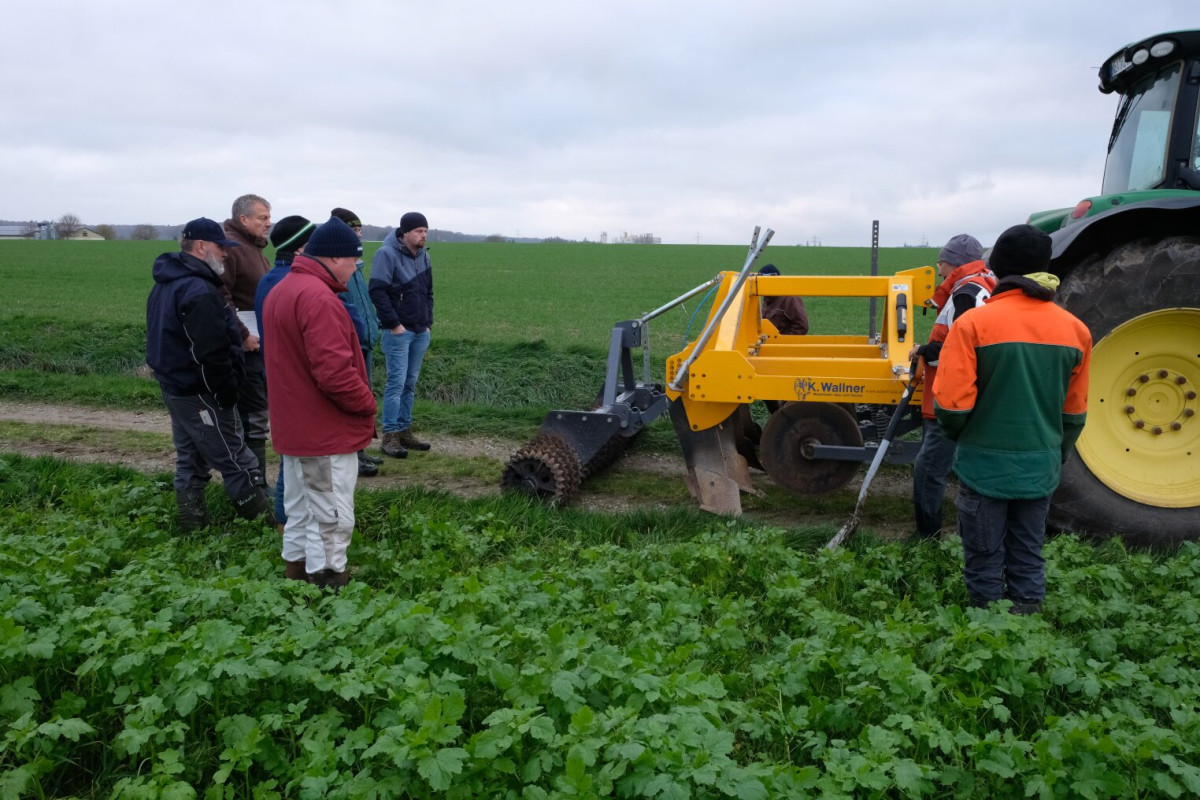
point(1012, 391)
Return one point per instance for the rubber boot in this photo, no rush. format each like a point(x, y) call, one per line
point(255, 505)
point(1026, 609)
point(294, 570)
point(193, 509)
point(259, 448)
point(366, 467)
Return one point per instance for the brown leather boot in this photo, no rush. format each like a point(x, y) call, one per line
point(294, 570)
point(392, 446)
point(330, 580)
point(411, 442)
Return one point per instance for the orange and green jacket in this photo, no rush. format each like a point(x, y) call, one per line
point(1012, 390)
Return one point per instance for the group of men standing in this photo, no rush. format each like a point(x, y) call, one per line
point(244, 352)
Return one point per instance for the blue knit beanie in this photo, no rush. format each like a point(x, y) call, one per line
point(334, 239)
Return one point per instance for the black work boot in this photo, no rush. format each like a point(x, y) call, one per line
point(193, 509)
point(411, 442)
point(366, 467)
point(392, 446)
point(259, 448)
point(255, 505)
point(376, 460)
point(1026, 609)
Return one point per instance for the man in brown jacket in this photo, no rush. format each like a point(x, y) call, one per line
point(248, 226)
point(787, 314)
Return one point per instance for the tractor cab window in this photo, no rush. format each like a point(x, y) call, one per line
point(1137, 151)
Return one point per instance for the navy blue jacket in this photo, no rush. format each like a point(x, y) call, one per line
point(401, 286)
point(193, 342)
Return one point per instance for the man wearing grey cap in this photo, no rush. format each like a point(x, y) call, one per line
point(194, 347)
point(966, 283)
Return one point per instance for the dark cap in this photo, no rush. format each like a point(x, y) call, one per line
point(961, 249)
point(291, 233)
point(769, 269)
point(334, 239)
point(347, 216)
point(411, 221)
point(206, 230)
point(1020, 250)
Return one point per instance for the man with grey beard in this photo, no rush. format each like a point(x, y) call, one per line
point(194, 347)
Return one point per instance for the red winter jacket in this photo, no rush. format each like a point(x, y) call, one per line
point(967, 287)
point(317, 392)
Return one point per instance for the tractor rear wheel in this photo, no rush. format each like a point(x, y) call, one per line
point(1136, 472)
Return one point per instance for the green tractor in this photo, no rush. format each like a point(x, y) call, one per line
point(1129, 260)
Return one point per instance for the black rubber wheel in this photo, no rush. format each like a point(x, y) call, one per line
point(546, 468)
point(786, 447)
point(1136, 470)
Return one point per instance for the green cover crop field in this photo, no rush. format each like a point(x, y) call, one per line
point(497, 648)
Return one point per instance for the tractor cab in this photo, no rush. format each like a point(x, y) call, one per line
point(1154, 146)
point(1154, 142)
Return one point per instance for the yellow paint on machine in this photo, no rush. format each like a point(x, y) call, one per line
point(747, 359)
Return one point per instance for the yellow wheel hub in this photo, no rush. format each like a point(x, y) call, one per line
point(1142, 437)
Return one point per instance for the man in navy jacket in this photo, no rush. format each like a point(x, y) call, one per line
point(194, 347)
point(401, 288)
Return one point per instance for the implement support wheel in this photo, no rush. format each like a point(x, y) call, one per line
point(788, 439)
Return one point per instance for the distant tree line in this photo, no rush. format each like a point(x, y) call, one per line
point(69, 224)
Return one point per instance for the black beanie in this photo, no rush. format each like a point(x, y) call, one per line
point(334, 239)
point(411, 221)
point(347, 216)
point(769, 269)
point(1020, 250)
point(291, 233)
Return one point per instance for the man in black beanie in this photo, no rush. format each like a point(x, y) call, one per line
point(402, 289)
point(1012, 392)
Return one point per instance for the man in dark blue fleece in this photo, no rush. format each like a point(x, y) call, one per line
point(401, 288)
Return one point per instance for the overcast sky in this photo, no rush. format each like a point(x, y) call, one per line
point(694, 121)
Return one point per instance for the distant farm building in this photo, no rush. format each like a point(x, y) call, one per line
point(85, 235)
point(637, 238)
point(17, 232)
point(45, 230)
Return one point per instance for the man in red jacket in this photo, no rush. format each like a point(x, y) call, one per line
point(322, 408)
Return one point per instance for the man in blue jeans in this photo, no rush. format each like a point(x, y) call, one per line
point(401, 288)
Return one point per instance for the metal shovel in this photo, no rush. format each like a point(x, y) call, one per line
point(847, 530)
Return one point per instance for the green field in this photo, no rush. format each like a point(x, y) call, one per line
point(502, 649)
point(519, 327)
